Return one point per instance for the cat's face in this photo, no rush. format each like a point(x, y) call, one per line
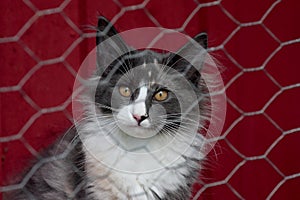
point(147, 93)
point(144, 94)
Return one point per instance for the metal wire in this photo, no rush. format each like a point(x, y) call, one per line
point(62, 59)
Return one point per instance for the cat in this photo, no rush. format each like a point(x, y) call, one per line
point(139, 138)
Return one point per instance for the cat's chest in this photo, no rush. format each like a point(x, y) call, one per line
point(145, 172)
point(135, 186)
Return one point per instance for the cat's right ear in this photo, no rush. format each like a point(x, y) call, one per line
point(109, 43)
point(105, 30)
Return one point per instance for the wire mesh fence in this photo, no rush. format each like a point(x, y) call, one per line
point(43, 45)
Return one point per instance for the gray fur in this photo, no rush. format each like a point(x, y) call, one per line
point(69, 174)
point(58, 175)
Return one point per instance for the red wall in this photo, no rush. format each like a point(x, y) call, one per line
point(42, 45)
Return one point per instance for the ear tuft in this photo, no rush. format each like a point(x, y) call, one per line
point(201, 39)
point(110, 45)
point(190, 58)
point(104, 30)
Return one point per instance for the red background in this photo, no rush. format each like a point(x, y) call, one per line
point(42, 44)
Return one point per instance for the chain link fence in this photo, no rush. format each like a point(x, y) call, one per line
point(43, 45)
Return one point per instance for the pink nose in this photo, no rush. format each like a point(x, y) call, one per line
point(137, 118)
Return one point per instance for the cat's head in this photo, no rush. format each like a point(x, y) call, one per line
point(147, 93)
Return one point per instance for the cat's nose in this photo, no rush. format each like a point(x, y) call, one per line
point(139, 118)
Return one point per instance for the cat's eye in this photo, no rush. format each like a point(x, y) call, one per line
point(161, 95)
point(124, 91)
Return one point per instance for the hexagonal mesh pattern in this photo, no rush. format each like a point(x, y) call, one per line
point(43, 43)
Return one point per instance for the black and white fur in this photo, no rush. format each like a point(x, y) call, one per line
point(77, 170)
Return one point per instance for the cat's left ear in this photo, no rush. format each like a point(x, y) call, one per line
point(190, 58)
point(201, 39)
point(196, 46)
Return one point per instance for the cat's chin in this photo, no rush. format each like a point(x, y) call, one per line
point(136, 131)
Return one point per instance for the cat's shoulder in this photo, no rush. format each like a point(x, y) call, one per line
point(57, 173)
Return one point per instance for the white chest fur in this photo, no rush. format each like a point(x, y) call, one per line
point(119, 166)
point(115, 175)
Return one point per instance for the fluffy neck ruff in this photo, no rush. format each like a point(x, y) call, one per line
point(115, 173)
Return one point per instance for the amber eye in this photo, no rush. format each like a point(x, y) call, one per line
point(161, 95)
point(124, 91)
